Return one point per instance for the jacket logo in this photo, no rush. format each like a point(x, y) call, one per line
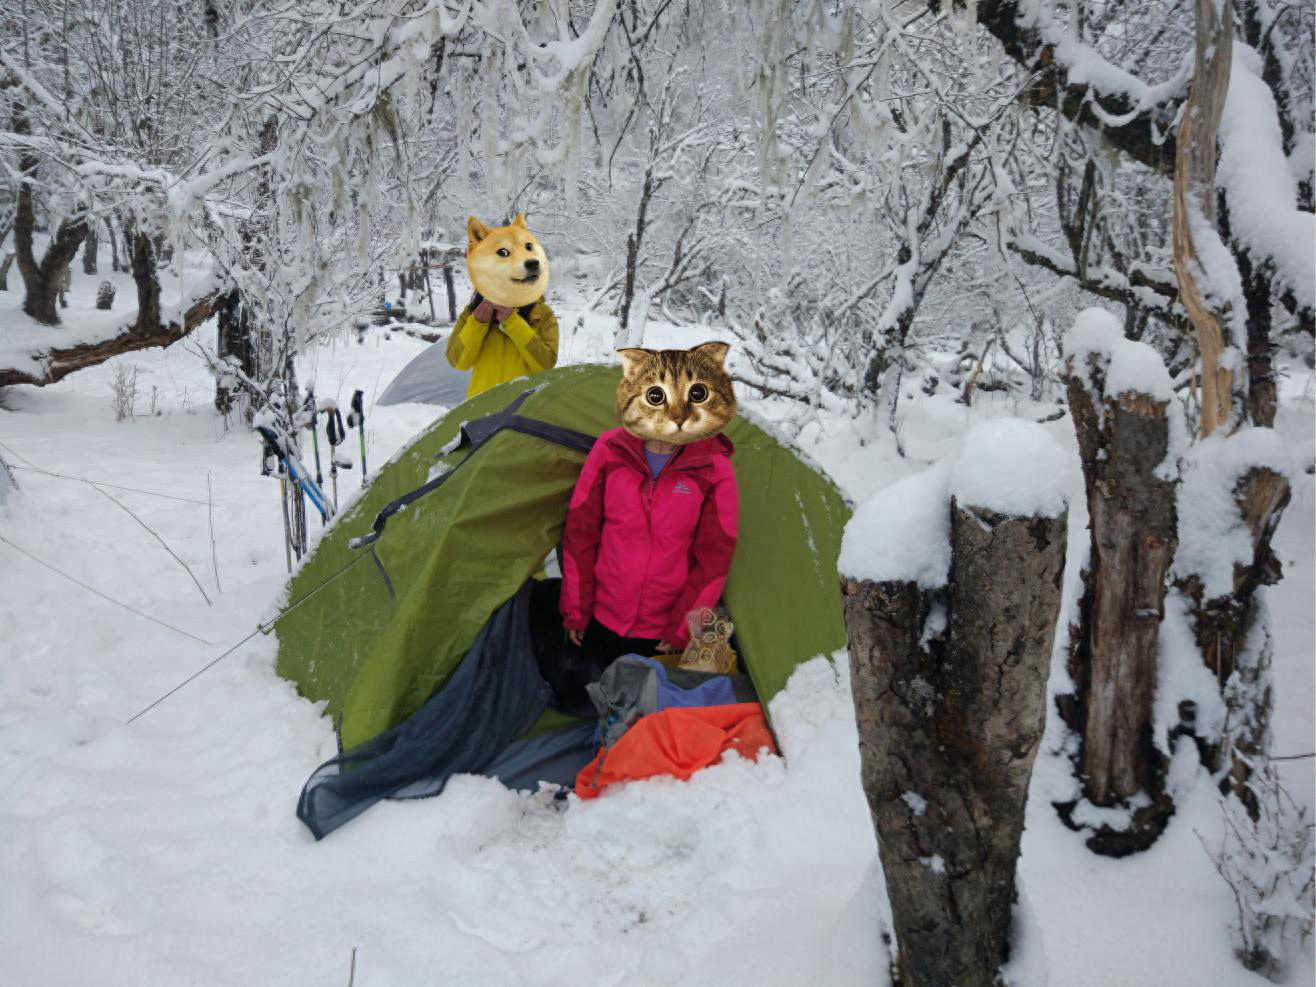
point(680, 487)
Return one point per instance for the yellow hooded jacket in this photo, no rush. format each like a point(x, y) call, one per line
point(495, 353)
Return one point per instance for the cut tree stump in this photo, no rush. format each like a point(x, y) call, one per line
point(1123, 443)
point(950, 697)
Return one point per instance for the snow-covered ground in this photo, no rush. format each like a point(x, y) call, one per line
point(167, 851)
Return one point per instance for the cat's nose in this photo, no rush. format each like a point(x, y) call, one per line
point(532, 264)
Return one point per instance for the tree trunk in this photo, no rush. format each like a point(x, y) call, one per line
point(89, 247)
point(1226, 631)
point(452, 293)
point(148, 283)
point(1194, 183)
point(950, 695)
point(235, 339)
point(114, 245)
point(1113, 651)
point(41, 279)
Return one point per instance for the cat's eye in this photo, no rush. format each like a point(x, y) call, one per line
point(655, 396)
point(504, 252)
point(530, 247)
point(699, 394)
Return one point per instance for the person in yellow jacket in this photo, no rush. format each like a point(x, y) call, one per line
point(498, 343)
point(507, 330)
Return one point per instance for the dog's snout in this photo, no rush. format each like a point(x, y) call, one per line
point(532, 264)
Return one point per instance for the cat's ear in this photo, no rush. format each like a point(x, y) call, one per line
point(475, 232)
point(520, 220)
point(715, 351)
point(632, 358)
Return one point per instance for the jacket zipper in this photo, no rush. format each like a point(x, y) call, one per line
point(648, 514)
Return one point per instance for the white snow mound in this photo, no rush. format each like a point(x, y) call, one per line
point(1129, 365)
point(901, 533)
point(1213, 538)
point(1011, 466)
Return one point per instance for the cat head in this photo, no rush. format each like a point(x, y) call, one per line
point(678, 396)
point(507, 264)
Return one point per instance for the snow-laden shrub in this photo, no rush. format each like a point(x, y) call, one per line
point(1268, 864)
point(123, 386)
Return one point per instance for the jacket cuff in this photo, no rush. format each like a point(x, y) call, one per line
point(678, 635)
point(575, 622)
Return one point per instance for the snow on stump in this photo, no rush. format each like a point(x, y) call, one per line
point(105, 295)
point(1130, 436)
point(1234, 492)
point(951, 581)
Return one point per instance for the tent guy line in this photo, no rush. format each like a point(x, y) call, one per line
point(261, 628)
point(99, 483)
point(90, 589)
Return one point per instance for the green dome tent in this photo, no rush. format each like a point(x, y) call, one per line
point(377, 641)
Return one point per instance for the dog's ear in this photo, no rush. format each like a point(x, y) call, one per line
point(632, 358)
point(475, 232)
point(715, 351)
point(520, 220)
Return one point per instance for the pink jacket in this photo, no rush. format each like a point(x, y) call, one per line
point(638, 554)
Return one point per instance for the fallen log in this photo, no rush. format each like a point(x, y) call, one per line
point(58, 362)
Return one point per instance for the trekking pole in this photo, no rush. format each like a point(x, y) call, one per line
point(357, 419)
point(312, 409)
point(297, 475)
point(268, 452)
point(337, 433)
point(287, 525)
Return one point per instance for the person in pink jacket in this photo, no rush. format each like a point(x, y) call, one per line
point(652, 524)
point(642, 548)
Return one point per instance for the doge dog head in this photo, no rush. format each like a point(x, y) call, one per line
point(507, 264)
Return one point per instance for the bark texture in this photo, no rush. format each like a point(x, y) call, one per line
point(950, 694)
point(89, 247)
point(1194, 181)
point(1133, 530)
point(147, 281)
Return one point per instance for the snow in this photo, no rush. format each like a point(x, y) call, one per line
point(1013, 467)
point(1212, 536)
point(917, 803)
point(1129, 365)
point(1259, 183)
point(25, 342)
point(152, 851)
point(901, 533)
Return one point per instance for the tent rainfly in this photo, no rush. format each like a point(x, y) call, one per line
point(456, 527)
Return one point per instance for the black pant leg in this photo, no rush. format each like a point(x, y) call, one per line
point(603, 646)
